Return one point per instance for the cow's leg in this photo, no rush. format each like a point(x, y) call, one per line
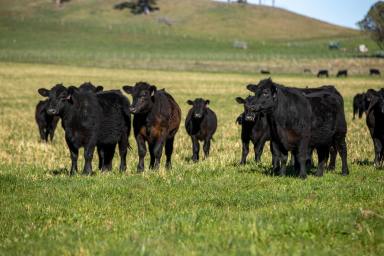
point(195, 149)
point(46, 134)
point(100, 153)
point(158, 151)
point(88, 155)
point(123, 148)
point(142, 150)
point(168, 152)
point(151, 147)
point(332, 159)
point(283, 162)
point(354, 112)
point(74, 151)
point(378, 150)
point(342, 149)
point(258, 149)
point(275, 158)
point(41, 132)
point(109, 153)
point(206, 147)
point(302, 156)
point(322, 154)
point(245, 151)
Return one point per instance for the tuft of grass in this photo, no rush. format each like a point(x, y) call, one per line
point(212, 207)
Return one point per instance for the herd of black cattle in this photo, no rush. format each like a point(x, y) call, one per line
point(296, 120)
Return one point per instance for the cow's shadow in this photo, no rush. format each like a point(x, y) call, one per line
point(58, 172)
point(364, 162)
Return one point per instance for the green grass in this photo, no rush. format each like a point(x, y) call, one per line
point(210, 208)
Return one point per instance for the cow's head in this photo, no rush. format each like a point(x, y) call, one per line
point(142, 93)
point(265, 95)
point(57, 96)
point(89, 87)
point(199, 107)
point(249, 107)
point(375, 99)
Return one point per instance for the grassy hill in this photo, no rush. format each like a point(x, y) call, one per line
point(92, 33)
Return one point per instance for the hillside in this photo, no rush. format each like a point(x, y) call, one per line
point(197, 18)
point(201, 36)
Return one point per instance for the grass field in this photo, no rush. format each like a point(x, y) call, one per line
point(213, 207)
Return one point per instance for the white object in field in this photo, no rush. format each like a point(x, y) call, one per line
point(363, 48)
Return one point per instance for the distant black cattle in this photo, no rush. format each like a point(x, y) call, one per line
point(156, 121)
point(375, 123)
point(307, 70)
point(201, 125)
point(46, 123)
point(289, 117)
point(322, 73)
point(254, 127)
point(359, 105)
point(343, 73)
point(265, 72)
point(327, 125)
point(91, 120)
point(374, 72)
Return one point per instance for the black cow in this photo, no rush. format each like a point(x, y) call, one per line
point(359, 105)
point(289, 117)
point(328, 125)
point(329, 128)
point(254, 127)
point(265, 72)
point(374, 72)
point(88, 86)
point(46, 123)
point(91, 120)
point(156, 121)
point(201, 125)
point(375, 123)
point(343, 73)
point(322, 73)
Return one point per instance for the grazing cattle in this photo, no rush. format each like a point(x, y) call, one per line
point(374, 72)
point(90, 120)
point(323, 73)
point(375, 123)
point(289, 117)
point(343, 73)
point(46, 123)
point(265, 72)
point(156, 121)
point(254, 127)
point(359, 105)
point(201, 125)
point(327, 127)
point(307, 70)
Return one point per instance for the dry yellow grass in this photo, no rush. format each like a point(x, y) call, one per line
point(19, 84)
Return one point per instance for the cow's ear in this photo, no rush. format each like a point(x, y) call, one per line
point(240, 100)
point(72, 91)
point(128, 89)
point(43, 92)
point(152, 89)
point(252, 87)
point(207, 102)
point(274, 91)
point(99, 88)
point(189, 102)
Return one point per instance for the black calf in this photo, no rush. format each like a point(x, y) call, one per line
point(201, 125)
point(46, 123)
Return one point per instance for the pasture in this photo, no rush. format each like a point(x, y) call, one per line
point(212, 207)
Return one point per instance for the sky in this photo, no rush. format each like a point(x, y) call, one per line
point(341, 12)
